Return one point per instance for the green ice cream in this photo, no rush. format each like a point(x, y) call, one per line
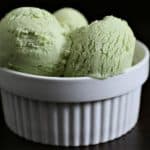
point(104, 48)
point(32, 41)
point(70, 18)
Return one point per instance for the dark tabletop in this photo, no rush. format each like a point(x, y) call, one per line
point(138, 18)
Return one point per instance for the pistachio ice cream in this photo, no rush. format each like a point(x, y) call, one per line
point(70, 18)
point(32, 41)
point(104, 48)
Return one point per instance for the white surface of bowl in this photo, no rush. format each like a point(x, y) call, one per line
point(74, 111)
point(80, 89)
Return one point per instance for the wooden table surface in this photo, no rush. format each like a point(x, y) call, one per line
point(137, 139)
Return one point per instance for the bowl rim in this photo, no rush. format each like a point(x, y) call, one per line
point(76, 89)
point(49, 78)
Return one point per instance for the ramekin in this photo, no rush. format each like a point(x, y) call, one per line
point(74, 111)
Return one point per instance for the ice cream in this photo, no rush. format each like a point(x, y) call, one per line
point(104, 48)
point(70, 18)
point(32, 41)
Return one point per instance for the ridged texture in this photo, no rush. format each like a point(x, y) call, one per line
point(71, 124)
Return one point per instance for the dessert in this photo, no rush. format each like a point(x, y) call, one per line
point(70, 18)
point(78, 111)
point(32, 41)
point(104, 48)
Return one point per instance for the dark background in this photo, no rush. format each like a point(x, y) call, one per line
point(138, 16)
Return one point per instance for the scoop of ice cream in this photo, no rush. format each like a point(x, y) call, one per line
point(70, 18)
point(32, 41)
point(104, 48)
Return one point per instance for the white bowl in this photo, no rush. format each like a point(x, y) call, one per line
point(74, 111)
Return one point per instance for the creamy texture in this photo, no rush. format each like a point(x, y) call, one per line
point(70, 18)
point(104, 48)
point(33, 41)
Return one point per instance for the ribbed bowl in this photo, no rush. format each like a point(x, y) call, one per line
point(74, 111)
point(71, 124)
